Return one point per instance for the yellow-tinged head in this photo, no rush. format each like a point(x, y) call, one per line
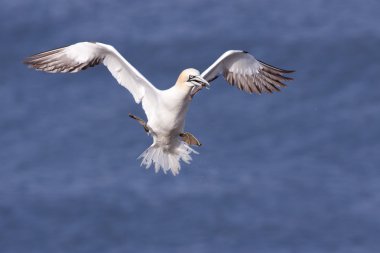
point(190, 78)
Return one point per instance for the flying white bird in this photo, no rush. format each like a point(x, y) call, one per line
point(165, 109)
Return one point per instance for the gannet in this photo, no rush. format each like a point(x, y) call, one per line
point(165, 109)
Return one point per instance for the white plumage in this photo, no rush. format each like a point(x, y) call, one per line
point(165, 109)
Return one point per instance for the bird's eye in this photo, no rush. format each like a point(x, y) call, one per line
point(190, 77)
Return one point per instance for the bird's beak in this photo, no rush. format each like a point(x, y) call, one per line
point(199, 81)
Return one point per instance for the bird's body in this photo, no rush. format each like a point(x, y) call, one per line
point(168, 115)
point(166, 120)
point(165, 109)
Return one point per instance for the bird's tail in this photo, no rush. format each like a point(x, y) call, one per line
point(167, 159)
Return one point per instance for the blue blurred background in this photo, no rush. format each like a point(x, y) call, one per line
point(297, 171)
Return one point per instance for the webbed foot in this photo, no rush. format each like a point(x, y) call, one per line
point(190, 139)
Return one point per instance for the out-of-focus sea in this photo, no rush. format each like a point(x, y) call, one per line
point(297, 171)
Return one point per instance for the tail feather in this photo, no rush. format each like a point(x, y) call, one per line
point(167, 159)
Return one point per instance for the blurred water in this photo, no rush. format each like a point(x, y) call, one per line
point(291, 172)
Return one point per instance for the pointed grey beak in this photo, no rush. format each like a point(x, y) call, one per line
point(198, 81)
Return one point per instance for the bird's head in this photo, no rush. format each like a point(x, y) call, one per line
point(191, 79)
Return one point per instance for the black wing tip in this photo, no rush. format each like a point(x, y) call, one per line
point(289, 71)
point(30, 60)
point(26, 61)
point(246, 52)
point(285, 71)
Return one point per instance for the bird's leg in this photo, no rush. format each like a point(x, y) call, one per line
point(141, 121)
point(190, 139)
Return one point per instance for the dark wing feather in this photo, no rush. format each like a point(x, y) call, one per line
point(56, 60)
point(82, 55)
point(242, 70)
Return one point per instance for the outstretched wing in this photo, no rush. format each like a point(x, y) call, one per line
point(82, 55)
point(242, 70)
